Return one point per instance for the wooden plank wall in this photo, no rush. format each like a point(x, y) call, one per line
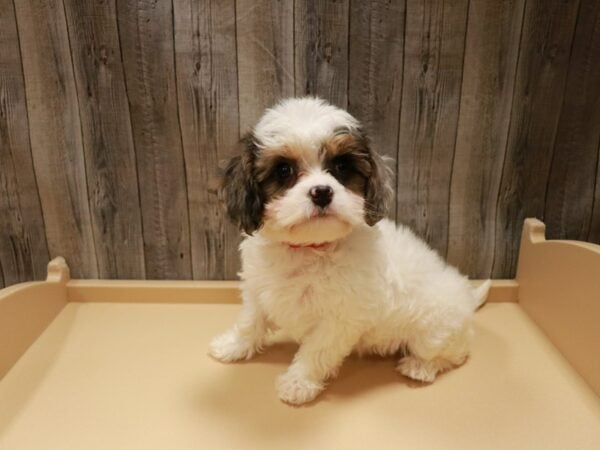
point(116, 115)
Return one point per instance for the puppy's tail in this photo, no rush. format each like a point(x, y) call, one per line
point(480, 293)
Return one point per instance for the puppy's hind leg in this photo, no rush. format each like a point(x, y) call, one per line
point(424, 370)
point(427, 357)
point(244, 339)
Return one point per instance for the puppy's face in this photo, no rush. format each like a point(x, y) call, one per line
point(306, 175)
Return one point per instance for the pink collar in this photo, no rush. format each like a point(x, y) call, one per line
point(322, 246)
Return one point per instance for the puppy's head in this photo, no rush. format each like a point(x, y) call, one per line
point(305, 175)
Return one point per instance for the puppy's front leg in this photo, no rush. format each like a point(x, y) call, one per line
point(320, 355)
point(245, 338)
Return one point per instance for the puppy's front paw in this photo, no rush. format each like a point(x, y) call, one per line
point(230, 347)
point(296, 389)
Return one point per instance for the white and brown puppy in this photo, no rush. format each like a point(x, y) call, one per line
point(321, 266)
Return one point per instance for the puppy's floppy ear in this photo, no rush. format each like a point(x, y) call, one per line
point(240, 190)
point(378, 190)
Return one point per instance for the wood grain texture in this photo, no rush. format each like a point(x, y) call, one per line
point(375, 81)
point(321, 49)
point(493, 33)
point(265, 56)
point(571, 186)
point(23, 248)
point(146, 35)
point(115, 116)
point(55, 132)
point(548, 28)
point(107, 138)
point(433, 67)
point(208, 107)
point(594, 235)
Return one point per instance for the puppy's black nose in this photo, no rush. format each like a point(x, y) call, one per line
point(321, 195)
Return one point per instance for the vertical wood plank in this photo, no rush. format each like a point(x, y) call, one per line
point(146, 35)
point(594, 235)
point(107, 138)
point(321, 49)
point(570, 196)
point(375, 81)
point(23, 248)
point(548, 28)
point(265, 56)
point(55, 132)
point(493, 32)
point(208, 107)
point(433, 67)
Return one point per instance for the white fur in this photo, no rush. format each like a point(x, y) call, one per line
point(306, 121)
point(373, 289)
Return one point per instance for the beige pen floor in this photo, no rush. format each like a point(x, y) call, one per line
point(136, 376)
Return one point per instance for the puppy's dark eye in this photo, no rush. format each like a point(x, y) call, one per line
point(340, 166)
point(284, 171)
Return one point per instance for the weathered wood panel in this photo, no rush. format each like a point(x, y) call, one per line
point(493, 33)
point(321, 49)
point(55, 132)
point(107, 138)
point(146, 35)
point(265, 61)
point(570, 196)
point(433, 61)
point(208, 107)
point(594, 235)
point(489, 109)
point(23, 248)
point(265, 56)
point(375, 81)
point(548, 28)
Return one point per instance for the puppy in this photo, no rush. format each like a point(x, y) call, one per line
point(320, 264)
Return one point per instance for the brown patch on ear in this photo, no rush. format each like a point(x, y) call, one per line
point(240, 190)
point(378, 191)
